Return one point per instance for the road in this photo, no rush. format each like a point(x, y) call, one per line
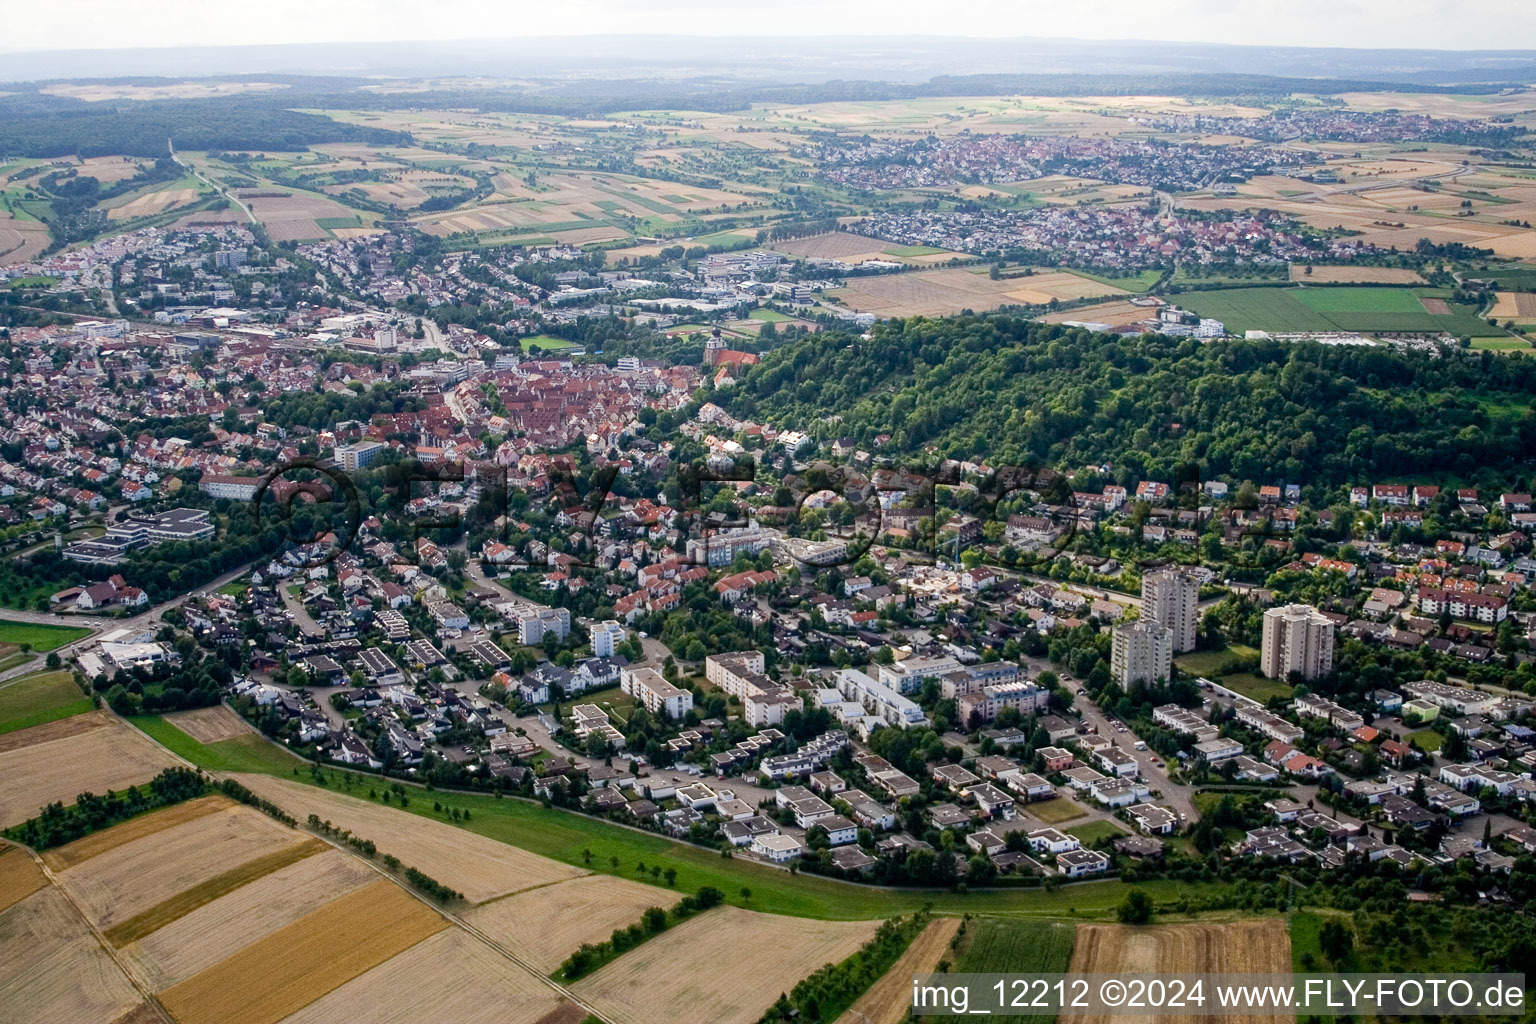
point(1174, 795)
point(211, 184)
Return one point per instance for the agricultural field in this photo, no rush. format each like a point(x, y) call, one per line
point(1514, 306)
point(249, 752)
point(889, 1000)
point(218, 929)
point(290, 215)
point(210, 725)
point(288, 969)
point(86, 753)
point(62, 858)
point(119, 884)
point(153, 203)
point(992, 945)
point(53, 970)
point(450, 976)
point(1253, 946)
point(41, 638)
point(20, 876)
point(1313, 274)
point(41, 698)
point(774, 952)
point(545, 925)
point(1381, 310)
point(1116, 314)
point(947, 292)
point(851, 248)
point(480, 868)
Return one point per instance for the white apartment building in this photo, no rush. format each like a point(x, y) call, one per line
point(1171, 598)
point(1141, 652)
point(655, 693)
point(1297, 638)
point(606, 637)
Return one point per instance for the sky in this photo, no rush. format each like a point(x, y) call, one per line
point(1390, 24)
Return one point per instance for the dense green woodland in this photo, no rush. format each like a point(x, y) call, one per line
point(141, 129)
point(1012, 391)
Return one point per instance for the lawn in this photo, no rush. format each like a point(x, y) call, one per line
point(1055, 811)
point(40, 637)
point(1090, 832)
point(994, 945)
point(565, 836)
point(1257, 687)
point(1426, 740)
point(1335, 309)
point(241, 754)
point(546, 342)
point(768, 316)
point(44, 697)
point(235, 589)
point(1516, 345)
point(1210, 663)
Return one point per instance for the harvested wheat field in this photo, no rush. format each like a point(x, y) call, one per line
point(889, 1000)
point(200, 939)
point(451, 976)
point(1253, 946)
point(1116, 314)
point(209, 725)
point(74, 725)
point(834, 245)
point(733, 947)
point(110, 757)
point(121, 883)
point(1513, 305)
point(81, 850)
point(545, 925)
point(946, 292)
point(153, 203)
point(297, 964)
point(52, 969)
point(20, 876)
point(1355, 275)
point(478, 867)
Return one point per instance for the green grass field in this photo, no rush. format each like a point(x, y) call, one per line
point(912, 250)
point(1515, 345)
point(1090, 832)
point(250, 753)
point(993, 945)
point(43, 638)
point(1335, 309)
point(547, 343)
point(44, 697)
point(1209, 663)
point(769, 316)
point(1055, 811)
point(1426, 740)
point(1256, 686)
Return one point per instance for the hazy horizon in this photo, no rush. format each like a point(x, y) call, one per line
point(74, 25)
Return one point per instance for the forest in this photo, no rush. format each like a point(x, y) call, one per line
point(1010, 391)
point(141, 129)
